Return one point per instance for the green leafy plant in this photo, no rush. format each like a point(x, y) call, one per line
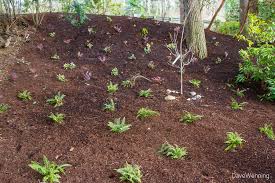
point(237, 106)
point(233, 141)
point(109, 19)
point(147, 48)
point(70, 66)
point(144, 32)
point(91, 30)
point(57, 117)
point(77, 13)
point(114, 72)
point(107, 49)
point(195, 82)
point(132, 57)
point(239, 93)
point(112, 88)
point(55, 57)
point(49, 170)
point(174, 152)
point(52, 34)
point(268, 131)
point(188, 117)
point(109, 106)
point(89, 44)
point(145, 93)
point(4, 107)
point(119, 125)
point(229, 27)
point(61, 77)
point(146, 113)
point(130, 173)
point(24, 95)
point(151, 65)
point(57, 100)
point(127, 83)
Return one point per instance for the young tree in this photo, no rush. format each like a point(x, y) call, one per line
point(194, 29)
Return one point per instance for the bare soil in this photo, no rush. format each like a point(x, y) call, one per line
point(85, 141)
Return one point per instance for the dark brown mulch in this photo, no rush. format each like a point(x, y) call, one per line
point(84, 140)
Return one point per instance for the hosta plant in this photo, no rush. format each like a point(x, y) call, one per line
point(233, 141)
point(70, 66)
point(119, 125)
point(57, 100)
point(189, 117)
point(268, 131)
point(145, 93)
point(61, 78)
point(195, 82)
point(4, 107)
point(112, 88)
point(130, 173)
point(57, 117)
point(146, 113)
point(49, 170)
point(24, 95)
point(110, 106)
point(174, 152)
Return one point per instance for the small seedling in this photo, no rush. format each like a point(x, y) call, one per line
point(268, 131)
point(130, 173)
point(49, 170)
point(233, 141)
point(132, 57)
point(151, 65)
point(237, 106)
point(239, 93)
point(114, 72)
point(118, 125)
point(218, 61)
point(24, 95)
point(109, 106)
point(57, 100)
point(147, 48)
point(70, 66)
point(145, 93)
point(109, 19)
point(55, 57)
point(89, 44)
point(112, 88)
point(144, 32)
point(61, 78)
point(108, 49)
point(127, 83)
point(174, 152)
point(146, 113)
point(190, 117)
point(118, 28)
point(91, 30)
point(171, 46)
point(57, 117)
point(4, 107)
point(52, 34)
point(195, 82)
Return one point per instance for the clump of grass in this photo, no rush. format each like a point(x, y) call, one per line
point(189, 117)
point(195, 82)
point(57, 100)
point(174, 152)
point(237, 106)
point(4, 107)
point(61, 78)
point(119, 125)
point(109, 106)
point(146, 113)
point(145, 93)
point(268, 131)
point(130, 173)
point(112, 88)
point(233, 141)
point(24, 95)
point(57, 117)
point(127, 83)
point(49, 170)
point(70, 66)
point(114, 72)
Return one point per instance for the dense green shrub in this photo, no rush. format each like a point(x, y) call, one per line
point(77, 13)
point(230, 27)
point(232, 10)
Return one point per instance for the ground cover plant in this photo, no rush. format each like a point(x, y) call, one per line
point(57, 117)
point(57, 100)
point(189, 117)
point(24, 95)
point(268, 131)
point(4, 107)
point(174, 152)
point(119, 125)
point(233, 141)
point(130, 173)
point(146, 113)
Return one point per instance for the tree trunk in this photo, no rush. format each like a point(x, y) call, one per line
point(216, 14)
point(243, 11)
point(194, 30)
point(253, 7)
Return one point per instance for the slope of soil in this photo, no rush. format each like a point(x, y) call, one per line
point(85, 141)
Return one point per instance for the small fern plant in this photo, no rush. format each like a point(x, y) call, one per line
point(237, 106)
point(189, 117)
point(119, 125)
point(233, 141)
point(4, 107)
point(57, 117)
point(195, 82)
point(109, 106)
point(174, 152)
point(112, 88)
point(268, 131)
point(49, 170)
point(130, 173)
point(57, 100)
point(24, 95)
point(145, 93)
point(146, 113)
